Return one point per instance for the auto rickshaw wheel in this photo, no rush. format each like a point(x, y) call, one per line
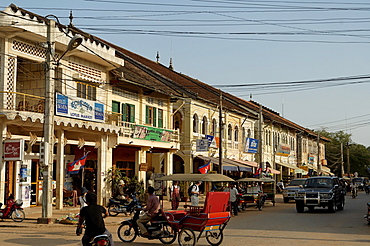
point(187, 237)
point(215, 237)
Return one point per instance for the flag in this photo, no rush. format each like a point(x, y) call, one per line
point(74, 167)
point(205, 168)
point(258, 172)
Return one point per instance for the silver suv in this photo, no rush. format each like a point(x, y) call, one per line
point(291, 189)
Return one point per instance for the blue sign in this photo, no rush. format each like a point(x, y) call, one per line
point(251, 145)
point(79, 108)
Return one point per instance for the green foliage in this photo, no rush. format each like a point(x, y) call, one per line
point(132, 184)
point(341, 144)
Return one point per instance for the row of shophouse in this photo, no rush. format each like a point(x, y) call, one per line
point(152, 119)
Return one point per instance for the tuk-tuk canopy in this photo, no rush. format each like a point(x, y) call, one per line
point(209, 177)
point(265, 180)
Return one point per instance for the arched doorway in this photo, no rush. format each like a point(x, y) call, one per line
point(178, 164)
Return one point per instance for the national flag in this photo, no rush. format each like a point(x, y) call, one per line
point(205, 168)
point(74, 167)
point(258, 172)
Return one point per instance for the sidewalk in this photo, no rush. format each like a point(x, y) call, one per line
point(33, 213)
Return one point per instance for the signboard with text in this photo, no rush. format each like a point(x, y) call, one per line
point(251, 145)
point(283, 150)
point(14, 150)
point(152, 133)
point(79, 108)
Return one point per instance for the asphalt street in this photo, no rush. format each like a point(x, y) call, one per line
point(278, 225)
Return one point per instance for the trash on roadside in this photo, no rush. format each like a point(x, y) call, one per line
point(70, 219)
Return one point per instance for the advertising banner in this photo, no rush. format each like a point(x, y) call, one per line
point(213, 141)
point(251, 145)
point(283, 150)
point(152, 133)
point(79, 108)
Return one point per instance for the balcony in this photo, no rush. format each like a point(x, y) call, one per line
point(23, 102)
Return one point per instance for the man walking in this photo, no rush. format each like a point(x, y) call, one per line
point(233, 198)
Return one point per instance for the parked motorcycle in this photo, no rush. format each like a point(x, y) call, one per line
point(122, 206)
point(367, 215)
point(158, 228)
point(13, 210)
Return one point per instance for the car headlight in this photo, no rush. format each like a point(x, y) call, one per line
point(325, 195)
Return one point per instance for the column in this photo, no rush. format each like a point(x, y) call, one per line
point(60, 169)
point(3, 129)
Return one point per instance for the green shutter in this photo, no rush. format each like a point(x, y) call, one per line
point(124, 112)
point(147, 114)
point(115, 107)
point(132, 113)
point(154, 116)
point(160, 118)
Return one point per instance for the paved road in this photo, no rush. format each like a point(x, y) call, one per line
point(274, 226)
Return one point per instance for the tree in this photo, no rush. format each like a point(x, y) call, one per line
point(359, 155)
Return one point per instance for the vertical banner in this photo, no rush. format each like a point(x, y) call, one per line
point(251, 145)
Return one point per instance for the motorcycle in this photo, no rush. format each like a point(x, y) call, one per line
point(158, 228)
point(122, 206)
point(261, 201)
point(13, 210)
point(367, 189)
point(100, 240)
point(367, 216)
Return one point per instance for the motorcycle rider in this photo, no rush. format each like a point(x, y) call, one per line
point(151, 209)
point(93, 215)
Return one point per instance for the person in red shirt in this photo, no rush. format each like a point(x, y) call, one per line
point(151, 210)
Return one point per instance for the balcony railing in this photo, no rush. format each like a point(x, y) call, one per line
point(23, 102)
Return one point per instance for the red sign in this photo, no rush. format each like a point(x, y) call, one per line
point(14, 150)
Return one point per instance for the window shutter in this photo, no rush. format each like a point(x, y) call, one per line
point(160, 118)
point(154, 116)
point(132, 113)
point(115, 107)
point(124, 112)
point(147, 114)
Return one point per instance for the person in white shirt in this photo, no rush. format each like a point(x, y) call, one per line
point(195, 193)
point(233, 198)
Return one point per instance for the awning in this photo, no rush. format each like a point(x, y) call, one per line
point(310, 166)
point(326, 170)
point(287, 165)
point(196, 177)
point(248, 163)
point(227, 164)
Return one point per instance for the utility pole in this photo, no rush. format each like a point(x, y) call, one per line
point(220, 140)
point(260, 136)
point(348, 164)
point(342, 159)
point(318, 155)
point(48, 144)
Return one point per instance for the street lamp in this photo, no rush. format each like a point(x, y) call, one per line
point(46, 158)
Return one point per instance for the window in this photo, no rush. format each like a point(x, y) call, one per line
point(151, 116)
point(236, 134)
point(160, 118)
point(86, 90)
point(204, 125)
point(214, 127)
point(195, 123)
point(128, 112)
point(229, 132)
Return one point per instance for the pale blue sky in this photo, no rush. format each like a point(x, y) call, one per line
point(234, 42)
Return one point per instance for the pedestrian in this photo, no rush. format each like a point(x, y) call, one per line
point(195, 194)
point(151, 210)
point(233, 198)
point(93, 215)
point(175, 195)
point(280, 186)
point(82, 198)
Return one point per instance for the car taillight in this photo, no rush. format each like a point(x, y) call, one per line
point(102, 242)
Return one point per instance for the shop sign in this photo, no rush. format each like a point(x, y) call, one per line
point(202, 145)
point(283, 150)
point(143, 167)
point(251, 145)
point(79, 108)
point(14, 150)
point(152, 133)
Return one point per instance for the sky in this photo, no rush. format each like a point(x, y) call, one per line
point(306, 60)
